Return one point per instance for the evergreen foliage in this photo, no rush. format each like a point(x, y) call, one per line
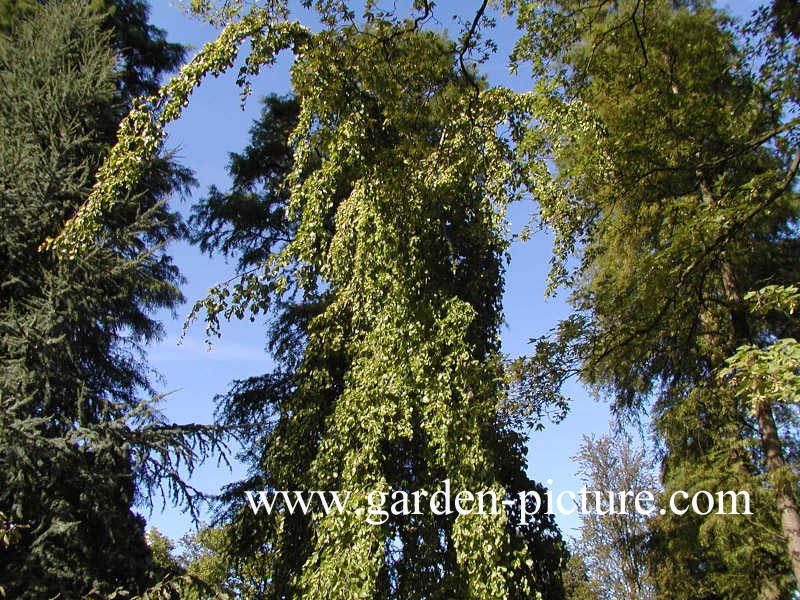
point(673, 195)
point(79, 446)
point(142, 50)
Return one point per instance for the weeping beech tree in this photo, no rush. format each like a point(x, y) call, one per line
point(282, 417)
point(398, 229)
point(381, 257)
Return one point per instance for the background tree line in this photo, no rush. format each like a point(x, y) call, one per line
point(366, 215)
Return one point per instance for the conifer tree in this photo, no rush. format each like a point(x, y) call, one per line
point(80, 440)
point(673, 196)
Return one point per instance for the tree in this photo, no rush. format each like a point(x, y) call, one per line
point(79, 445)
point(143, 52)
point(401, 164)
point(673, 195)
point(613, 546)
point(250, 222)
point(163, 550)
point(576, 579)
point(671, 198)
point(206, 557)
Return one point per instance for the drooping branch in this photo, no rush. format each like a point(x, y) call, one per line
point(141, 133)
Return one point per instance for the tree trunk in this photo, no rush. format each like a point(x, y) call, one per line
point(790, 517)
point(768, 434)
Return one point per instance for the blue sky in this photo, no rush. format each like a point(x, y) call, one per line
point(213, 125)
